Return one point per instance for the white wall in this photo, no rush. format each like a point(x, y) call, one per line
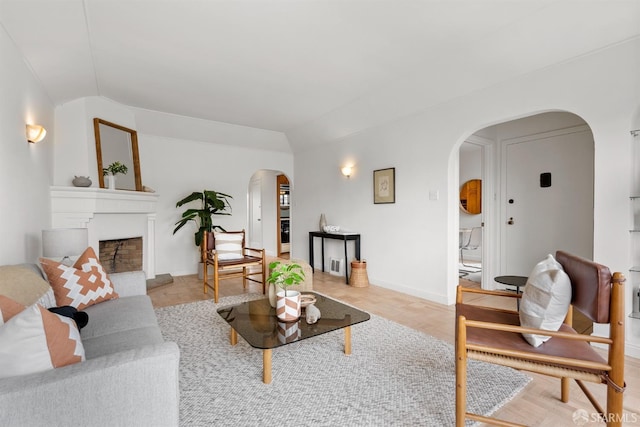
point(174, 167)
point(75, 148)
point(412, 245)
point(25, 169)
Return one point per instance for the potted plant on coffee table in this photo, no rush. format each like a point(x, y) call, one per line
point(284, 275)
point(211, 203)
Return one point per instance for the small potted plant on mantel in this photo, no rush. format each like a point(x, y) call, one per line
point(112, 170)
point(287, 303)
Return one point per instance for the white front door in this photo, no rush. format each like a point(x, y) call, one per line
point(540, 217)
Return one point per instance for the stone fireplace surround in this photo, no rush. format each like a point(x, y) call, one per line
point(108, 215)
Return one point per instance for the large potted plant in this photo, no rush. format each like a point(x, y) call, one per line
point(211, 203)
point(287, 302)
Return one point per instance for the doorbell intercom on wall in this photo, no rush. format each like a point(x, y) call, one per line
point(545, 179)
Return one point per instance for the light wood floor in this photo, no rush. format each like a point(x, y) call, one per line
point(537, 405)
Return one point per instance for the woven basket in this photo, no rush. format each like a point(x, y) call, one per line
point(359, 277)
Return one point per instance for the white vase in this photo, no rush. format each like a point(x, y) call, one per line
point(323, 222)
point(288, 307)
point(112, 181)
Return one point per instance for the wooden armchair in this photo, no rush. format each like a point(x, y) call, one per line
point(495, 336)
point(226, 253)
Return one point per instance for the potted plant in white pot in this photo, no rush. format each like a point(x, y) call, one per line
point(112, 170)
point(211, 203)
point(287, 302)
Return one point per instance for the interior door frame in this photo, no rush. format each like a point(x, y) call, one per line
point(489, 218)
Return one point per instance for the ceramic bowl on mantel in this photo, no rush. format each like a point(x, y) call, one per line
point(331, 228)
point(81, 181)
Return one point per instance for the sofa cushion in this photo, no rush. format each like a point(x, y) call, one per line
point(37, 340)
point(545, 300)
point(117, 342)
point(84, 284)
point(22, 284)
point(118, 315)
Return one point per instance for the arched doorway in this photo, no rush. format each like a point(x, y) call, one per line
point(542, 192)
point(267, 211)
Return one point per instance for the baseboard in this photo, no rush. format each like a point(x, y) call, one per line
point(632, 349)
point(441, 299)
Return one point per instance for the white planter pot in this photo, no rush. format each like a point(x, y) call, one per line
point(288, 307)
point(201, 271)
point(112, 181)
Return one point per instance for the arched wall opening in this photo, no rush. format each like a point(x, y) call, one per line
point(268, 214)
point(523, 217)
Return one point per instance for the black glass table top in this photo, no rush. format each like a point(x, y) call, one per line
point(256, 321)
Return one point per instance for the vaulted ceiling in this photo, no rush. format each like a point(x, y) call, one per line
point(289, 64)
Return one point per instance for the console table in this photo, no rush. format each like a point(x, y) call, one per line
point(344, 236)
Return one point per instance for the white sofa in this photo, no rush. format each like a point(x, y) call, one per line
point(129, 378)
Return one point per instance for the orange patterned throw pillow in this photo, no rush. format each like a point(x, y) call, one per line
point(84, 284)
point(8, 308)
point(37, 340)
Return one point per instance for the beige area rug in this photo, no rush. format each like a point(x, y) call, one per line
point(396, 376)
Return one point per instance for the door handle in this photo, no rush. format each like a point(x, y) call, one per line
point(510, 222)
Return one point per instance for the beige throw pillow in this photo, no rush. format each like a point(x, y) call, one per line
point(22, 284)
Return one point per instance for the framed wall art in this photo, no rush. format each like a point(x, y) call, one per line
point(384, 185)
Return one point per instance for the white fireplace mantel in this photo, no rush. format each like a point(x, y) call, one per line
point(108, 214)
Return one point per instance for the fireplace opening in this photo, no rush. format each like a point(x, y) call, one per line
point(120, 255)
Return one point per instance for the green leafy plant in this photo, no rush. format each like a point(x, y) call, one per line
point(285, 275)
point(115, 168)
point(211, 203)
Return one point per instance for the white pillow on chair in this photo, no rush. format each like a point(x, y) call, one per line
point(229, 245)
point(546, 299)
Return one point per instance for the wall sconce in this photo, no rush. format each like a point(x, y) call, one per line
point(35, 133)
point(347, 170)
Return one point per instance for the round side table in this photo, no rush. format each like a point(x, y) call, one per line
point(515, 281)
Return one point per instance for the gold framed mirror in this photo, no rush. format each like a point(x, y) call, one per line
point(115, 143)
point(471, 197)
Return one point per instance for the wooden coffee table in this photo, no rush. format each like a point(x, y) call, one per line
point(256, 322)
